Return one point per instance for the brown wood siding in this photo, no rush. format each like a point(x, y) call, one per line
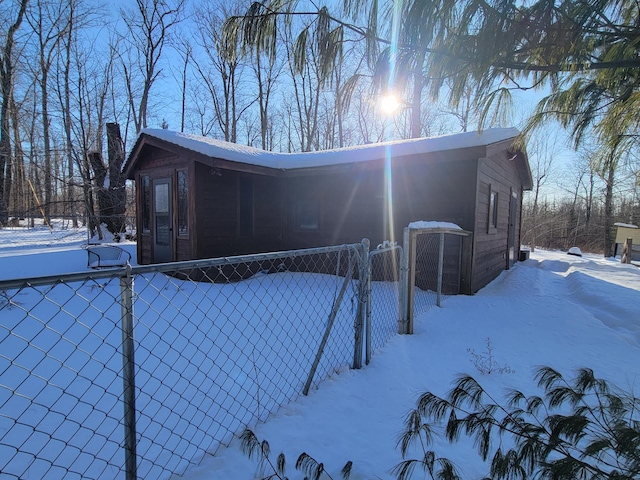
point(157, 163)
point(217, 214)
point(353, 206)
point(441, 192)
point(144, 249)
point(499, 174)
point(351, 202)
point(267, 216)
point(216, 206)
point(349, 208)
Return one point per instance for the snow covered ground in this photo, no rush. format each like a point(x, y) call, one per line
point(557, 310)
point(40, 251)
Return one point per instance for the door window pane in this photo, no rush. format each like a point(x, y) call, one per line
point(162, 198)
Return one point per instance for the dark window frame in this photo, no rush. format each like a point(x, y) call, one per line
point(306, 215)
point(182, 202)
point(492, 220)
point(145, 200)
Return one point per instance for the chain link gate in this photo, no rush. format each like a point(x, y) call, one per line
point(435, 263)
point(384, 293)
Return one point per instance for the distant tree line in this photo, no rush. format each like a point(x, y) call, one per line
point(301, 76)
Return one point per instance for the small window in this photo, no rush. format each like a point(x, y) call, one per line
point(306, 215)
point(145, 198)
point(245, 207)
point(183, 203)
point(493, 211)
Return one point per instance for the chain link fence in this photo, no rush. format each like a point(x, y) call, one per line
point(139, 372)
point(383, 308)
point(434, 267)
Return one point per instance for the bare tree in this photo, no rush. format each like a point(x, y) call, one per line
point(266, 72)
point(307, 86)
point(49, 21)
point(222, 73)
point(149, 26)
point(541, 157)
point(6, 87)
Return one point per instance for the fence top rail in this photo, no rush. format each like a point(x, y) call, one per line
point(168, 267)
point(381, 250)
point(65, 278)
point(258, 257)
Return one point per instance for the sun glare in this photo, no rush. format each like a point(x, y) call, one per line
point(389, 103)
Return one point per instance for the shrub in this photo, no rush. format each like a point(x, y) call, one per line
point(486, 363)
point(313, 470)
point(579, 429)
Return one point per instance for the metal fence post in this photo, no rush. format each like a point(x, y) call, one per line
point(128, 375)
point(411, 280)
point(362, 303)
point(404, 282)
point(440, 268)
point(369, 327)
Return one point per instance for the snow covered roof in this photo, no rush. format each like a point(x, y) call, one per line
point(424, 224)
point(625, 225)
point(284, 161)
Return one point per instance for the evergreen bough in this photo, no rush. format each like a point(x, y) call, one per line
point(579, 429)
point(583, 428)
point(268, 470)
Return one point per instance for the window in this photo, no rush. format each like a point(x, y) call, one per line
point(306, 215)
point(245, 207)
point(183, 203)
point(145, 198)
point(493, 211)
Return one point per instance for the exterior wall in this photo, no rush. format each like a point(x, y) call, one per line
point(354, 205)
point(351, 203)
point(622, 233)
point(267, 216)
point(347, 208)
point(216, 207)
point(156, 164)
point(218, 212)
point(442, 192)
point(490, 249)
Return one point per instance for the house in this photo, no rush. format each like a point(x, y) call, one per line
point(200, 198)
point(623, 232)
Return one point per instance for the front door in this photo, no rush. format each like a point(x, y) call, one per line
point(162, 221)
point(511, 242)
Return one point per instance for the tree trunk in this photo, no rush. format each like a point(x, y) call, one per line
point(608, 209)
point(117, 189)
point(19, 181)
point(534, 218)
point(70, 197)
point(6, 84)
point(416, 101)
point(46, 138)
point(626, 251)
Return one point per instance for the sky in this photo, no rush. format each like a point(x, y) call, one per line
point(554, 309)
